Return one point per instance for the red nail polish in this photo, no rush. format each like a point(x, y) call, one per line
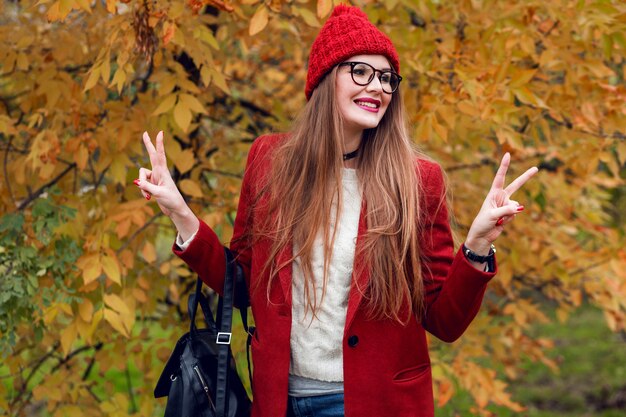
point(148, 196)
point(500, 221)
point(136, 182)
point(520, 208)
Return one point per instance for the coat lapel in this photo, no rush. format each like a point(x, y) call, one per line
point(284, 274)
point(360, 274)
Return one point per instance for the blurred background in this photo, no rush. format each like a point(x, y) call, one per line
point(92, 299)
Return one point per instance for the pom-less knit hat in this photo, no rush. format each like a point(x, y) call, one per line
point(346, 33)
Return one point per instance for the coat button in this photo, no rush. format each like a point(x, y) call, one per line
point(353, 341)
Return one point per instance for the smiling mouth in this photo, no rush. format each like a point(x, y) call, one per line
point(368, 105)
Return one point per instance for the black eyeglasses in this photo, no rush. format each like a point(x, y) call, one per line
point(363, 74)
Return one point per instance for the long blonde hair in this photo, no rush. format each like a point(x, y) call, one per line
point(304, 181)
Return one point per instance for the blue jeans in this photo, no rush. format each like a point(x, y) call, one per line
point(330, 405)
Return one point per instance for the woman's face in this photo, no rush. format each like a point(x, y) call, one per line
point(362, 107)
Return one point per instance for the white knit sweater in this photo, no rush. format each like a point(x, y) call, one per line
point(316, 344)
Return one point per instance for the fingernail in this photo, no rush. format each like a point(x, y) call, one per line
point(520, 208)
point(136, 182)
point(500, 221)
point(148, 196)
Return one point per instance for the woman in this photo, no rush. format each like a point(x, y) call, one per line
point(342, 232)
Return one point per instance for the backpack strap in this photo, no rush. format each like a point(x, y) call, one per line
point(223, 337)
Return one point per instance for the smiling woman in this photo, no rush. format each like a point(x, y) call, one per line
point(343, 235)
point(362, 98)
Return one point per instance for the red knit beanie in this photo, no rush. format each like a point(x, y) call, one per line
point(346, 33)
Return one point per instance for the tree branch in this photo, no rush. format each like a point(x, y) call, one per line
point(6, 174)
point(41, 189)
point(137, 232)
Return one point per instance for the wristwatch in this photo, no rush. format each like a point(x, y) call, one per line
point(489, 258)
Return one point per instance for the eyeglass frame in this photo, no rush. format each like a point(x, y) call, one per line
point(352, 64)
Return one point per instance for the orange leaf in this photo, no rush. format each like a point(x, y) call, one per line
point(323, 8)
point(68, 335)
point(259, 20)
point(115, 320)
point(182, 116)
point(191, 188)
point(85, 310)
point(149, 253)
point(169, 33)
point(111, 269)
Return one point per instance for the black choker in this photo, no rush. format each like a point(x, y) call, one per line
point(351, 155)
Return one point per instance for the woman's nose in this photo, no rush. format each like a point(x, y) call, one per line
point(375, 84)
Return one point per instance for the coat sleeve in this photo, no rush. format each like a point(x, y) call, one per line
point(453, 288)
point(205, 254)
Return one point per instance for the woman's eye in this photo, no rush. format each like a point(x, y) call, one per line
point(385, 78)
point(358, 71)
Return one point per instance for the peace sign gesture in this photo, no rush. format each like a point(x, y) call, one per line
point(158, 183)
point(497, 210)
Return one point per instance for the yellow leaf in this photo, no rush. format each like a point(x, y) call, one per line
point(81, 157)
point(93, 78)
point(50, 314)
point(448, 114)
point(22, 61)
point(441, 131)
point(46, 171)
point(140, 295)
point(185, 160)
point(106, 68)
point(190, 188)
point(323, 8)
point(115, 320)
point(275, 75)
point(25, 40)
point(68, 335)
point(467, 108)
point(192, 103)
point(111, 6)
point(84, 329)
point(182, 116)
point(65, 6)
point(84, 4)
point(143, 283)
point(85, 310)
point(526, 96)
point(149, 253)
point(119, 79)
point(220, 81)
point(204, 34)
point(391, 4)
point(166, 105)
point(116, 303)
point(205, 74)
point(308, 17)
point(259, 20)
point(521, 78)
point(91, 268)
point(111, 268)
point(66, 308)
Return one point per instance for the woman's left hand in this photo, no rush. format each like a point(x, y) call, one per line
point(497, 210)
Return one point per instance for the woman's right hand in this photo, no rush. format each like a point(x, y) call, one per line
point(158, 183)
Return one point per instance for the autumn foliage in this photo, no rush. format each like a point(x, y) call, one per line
point(91, 298)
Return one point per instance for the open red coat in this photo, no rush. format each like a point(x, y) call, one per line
point(386, 365)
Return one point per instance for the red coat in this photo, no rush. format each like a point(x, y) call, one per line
point(386, 366)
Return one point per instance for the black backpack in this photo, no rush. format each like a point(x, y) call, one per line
point(200, 378)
